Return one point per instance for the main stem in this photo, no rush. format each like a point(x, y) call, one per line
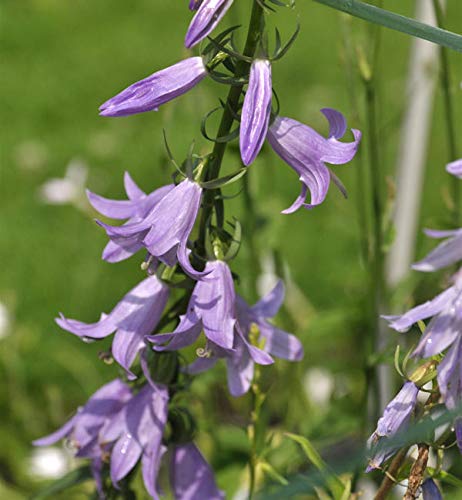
point(231, 108)
point(448, 113)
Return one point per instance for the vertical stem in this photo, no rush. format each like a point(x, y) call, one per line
point(231, 108)
point(448, 113)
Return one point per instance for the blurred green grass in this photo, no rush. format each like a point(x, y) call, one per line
point(62, 60)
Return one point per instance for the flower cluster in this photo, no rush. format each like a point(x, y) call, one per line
point(126, 422)
point(442, 336)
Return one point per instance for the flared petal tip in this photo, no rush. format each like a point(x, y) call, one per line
point(423, 266)
point(455, 168)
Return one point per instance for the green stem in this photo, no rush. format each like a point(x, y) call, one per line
point(449, 114)
point(230, 110)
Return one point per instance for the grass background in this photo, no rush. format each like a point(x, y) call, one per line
point(61, 60)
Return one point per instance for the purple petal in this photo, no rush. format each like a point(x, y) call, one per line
point(430, 308)
point(184, 335)
point(240, 370)
point(208, 15)
point(439, 334)
point(256, 110)
point(337, 123)
point(269, 305)
point(455, 168)
point(150, 465)
point(132, 189)
point(458, 429)
point(398, 411)
point(114, 252)
point(280, 343)
point(161, 87)
point(430, 491)
point(115, 209)
point(299, 202)
point(125, 454)
point(450, 376)
point(201, 365)
point(445, 254)
point(191, 476)
point(56, 436)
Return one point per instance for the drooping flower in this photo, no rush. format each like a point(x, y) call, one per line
point(138, 205)
point(165, 229)
point(208, 15)
point(213, 309)
point(134, 317)
point(161, 87)
point(137, 432)
point(256, 110)
point(446, 253)
point(306, 152)
point(395, 418)
point(84, 428)
point(442, 332)
point(430, 490)
point(455, 168)
point(190, 475)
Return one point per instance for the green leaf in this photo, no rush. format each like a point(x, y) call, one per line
point(224, 181)
point(336, 486)
point(73, 478)
point(446, 477)
point(269, 470)
point(397, 22)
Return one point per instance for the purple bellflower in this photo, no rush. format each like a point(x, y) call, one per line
point(138, 205)
point(446, 253)
point(455, 168)
point(165, 229)
point(395, 418)
point(213, 309)
point(442, 332)
point(134, 317)
point(306, 151)
point(208, 15)
point(83, 430)
point(137, 432)
point(161, 87)
point(276, 342)
point(256, 110)
point(190, 475)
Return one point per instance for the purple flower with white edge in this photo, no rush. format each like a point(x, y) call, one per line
point(85, 427)
point(138, 205)
point(395, 418)
point(137, 432)
point(208, 15)
point(165, 229)
point(455, 168)
point(445, 254)
point(306, 151)
point(430, 490)
point(256, 110)
point(191, 476)
point(159, 88)
point(134, 317)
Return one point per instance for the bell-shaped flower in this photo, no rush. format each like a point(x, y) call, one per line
point(455, 168)
point(84, 429)
point(191, 477)
point(395, 418)
point(445, 254)
point(138, 205)
point(134, 317)
point(137, 432)
point(212, 308)
point(306, 151)
point(208, 15)
point(165, 229)
point(256, 111)
point(161, 87)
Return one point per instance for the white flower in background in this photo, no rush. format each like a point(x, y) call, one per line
point(31, 155)
point(48, 463)
point(68, 189)
point(319, 385)
point(5, 321)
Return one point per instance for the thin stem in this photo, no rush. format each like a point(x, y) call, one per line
point(448, 113)
point(230, 110)
point(388, 481)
